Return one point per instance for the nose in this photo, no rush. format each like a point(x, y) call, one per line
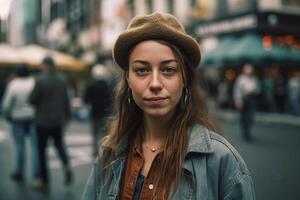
point(155, 82)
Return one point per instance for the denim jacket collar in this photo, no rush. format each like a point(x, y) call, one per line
point(199, 140)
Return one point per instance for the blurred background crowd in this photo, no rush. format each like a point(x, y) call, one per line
point(79, 35)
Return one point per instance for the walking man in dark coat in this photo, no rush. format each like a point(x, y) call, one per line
point(51, 101)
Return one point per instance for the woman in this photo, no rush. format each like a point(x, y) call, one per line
point(20, 114)
point(161, 144)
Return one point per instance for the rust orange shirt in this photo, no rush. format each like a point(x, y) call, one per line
point(133, 168)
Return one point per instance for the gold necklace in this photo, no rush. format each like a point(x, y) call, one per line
point(152, 149)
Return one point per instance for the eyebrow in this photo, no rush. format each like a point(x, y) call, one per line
point(169, 61)
point(141, 61)
point(147, 63)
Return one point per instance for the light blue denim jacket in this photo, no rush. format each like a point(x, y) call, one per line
point(213, 170)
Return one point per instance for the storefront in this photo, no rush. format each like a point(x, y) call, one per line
point(268, 39)
point(259, 38)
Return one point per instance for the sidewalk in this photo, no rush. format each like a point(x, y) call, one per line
point(233, 115)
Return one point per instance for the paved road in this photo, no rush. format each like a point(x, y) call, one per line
point(273, 159)
point(78, 141)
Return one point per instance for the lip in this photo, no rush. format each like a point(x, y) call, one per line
point(155, 99)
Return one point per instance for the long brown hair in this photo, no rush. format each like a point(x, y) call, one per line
point(128, 119)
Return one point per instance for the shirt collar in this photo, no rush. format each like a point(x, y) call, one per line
point(123, 147)
point(137, 145)
point(130, 143)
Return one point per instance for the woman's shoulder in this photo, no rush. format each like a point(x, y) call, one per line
point(218, 149)
point(227, 152)
point(224, 168)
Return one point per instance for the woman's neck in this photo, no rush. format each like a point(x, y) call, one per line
point(155, 131)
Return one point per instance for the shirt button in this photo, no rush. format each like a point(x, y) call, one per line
point(151, 186)
point(131, 181)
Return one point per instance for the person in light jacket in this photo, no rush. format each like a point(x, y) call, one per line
point(161, 143)
point(20, 114)
point(245, 91)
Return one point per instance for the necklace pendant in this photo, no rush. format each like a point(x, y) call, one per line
point(153, 149)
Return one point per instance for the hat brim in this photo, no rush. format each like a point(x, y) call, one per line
point(128, 39)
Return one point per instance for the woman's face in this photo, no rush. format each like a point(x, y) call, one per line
point(155, 79)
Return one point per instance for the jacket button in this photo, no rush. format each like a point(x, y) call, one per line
point(151, 186)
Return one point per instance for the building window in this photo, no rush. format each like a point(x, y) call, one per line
point(171, 6)
point(287, 5)
point(269, 4)
point(150, 5)
point(239, 6)
point(291, 3)
point(204, 9)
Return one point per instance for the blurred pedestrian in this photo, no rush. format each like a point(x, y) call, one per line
point(267, 91)
point(223, 98)
point(98, 95)
point(20, 114)
point(51, 101)
point(245, 91)
point(161, 143)
point(294, 93)
point(2, 89)
point(280, 94)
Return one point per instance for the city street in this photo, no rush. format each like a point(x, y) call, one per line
point(78, 141)
point(273, 159)
point(68, 60)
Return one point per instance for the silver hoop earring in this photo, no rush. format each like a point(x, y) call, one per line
point(186, 95)
point(128, 96)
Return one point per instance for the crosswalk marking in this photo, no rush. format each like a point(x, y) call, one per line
point(78, 146)
point(78, 138)
point(79, 150)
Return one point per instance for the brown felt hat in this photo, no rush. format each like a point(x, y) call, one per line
point(160, 26)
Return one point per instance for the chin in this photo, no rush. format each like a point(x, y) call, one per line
point(158, 113)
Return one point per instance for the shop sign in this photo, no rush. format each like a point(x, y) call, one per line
point(227, 26)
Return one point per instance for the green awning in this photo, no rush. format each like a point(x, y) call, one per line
point(249, 48)
point(295, 55)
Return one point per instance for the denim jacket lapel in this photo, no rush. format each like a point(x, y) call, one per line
point(200, 143)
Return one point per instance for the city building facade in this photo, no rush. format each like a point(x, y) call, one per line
point(261, 32)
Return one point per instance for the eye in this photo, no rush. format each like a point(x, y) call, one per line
point(169, 70)
point(141, 71)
